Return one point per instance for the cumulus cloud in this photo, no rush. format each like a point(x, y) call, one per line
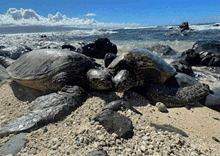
point(28, 17)
point(90, 14)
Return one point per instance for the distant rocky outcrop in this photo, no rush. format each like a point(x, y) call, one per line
point(184, 26)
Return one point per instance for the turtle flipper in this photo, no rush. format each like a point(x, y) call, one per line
point(173, 96)
point(47, 109)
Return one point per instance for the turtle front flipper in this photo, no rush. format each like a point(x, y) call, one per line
point(47, 109)
point(173, 96)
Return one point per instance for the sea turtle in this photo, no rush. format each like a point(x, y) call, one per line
point(51, 69)
point(143, 65)
point(155, 79)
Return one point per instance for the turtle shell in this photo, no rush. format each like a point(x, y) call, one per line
point(144, 64)
point(40, 66)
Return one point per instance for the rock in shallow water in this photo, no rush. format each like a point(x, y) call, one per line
point(99, 48)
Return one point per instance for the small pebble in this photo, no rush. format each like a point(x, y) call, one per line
point(161, 107)
point(143, 148)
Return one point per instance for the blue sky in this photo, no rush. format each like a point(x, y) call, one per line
point(129, 11)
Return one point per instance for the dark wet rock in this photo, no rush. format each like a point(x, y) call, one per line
point(172, 94)
point(183, 67)
point(67, 46)
point(109, 57)
point(2, 47)
point(184, 26)
point(123, 81)
point(203, 58)
point(114, 122)
point(19, 51)
point(47, 109)
point(4, 52)
point(167, 50)
point(14, 145)
point(99, 48)
point(43, 36)
point(207, 46)
point(6, 61)
point(169, 128)
point(162, 49)
point(120, 105)
point(209, 59)
point(51, 69)
point(99, 79)
point(3, 74)
point(191, 57)
point(98, 153)
point(216, 25)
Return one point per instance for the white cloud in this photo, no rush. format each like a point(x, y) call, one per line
point(28, 17)
point(90, 14)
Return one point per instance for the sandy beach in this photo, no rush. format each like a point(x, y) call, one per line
point(180, 131)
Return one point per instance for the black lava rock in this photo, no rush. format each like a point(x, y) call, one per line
point(183, 67)
point(99, 48)
point(184, 26)
point(114, 122)
point(109, 57)
point(207, 46)
point(67, 46)
point(2, 47)
point(191, 57)
point(210, 59)
point(162, 49)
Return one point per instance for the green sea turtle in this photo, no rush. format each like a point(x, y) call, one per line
point(51, 69)
point(146, 73)
point(143, 65)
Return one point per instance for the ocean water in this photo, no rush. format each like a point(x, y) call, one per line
point(126, 38)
